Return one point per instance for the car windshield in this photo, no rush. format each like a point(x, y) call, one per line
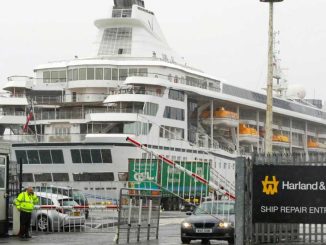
point(79, 197)
point(67, 202)
point(215, 208)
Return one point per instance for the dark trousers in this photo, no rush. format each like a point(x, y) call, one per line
point(25, 223)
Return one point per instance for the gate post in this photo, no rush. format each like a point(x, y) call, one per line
point(240, 184)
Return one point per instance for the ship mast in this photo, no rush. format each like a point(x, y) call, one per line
point(269, 102)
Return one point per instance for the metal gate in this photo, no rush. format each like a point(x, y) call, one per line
point(139, 215)
point(289, 214)
point(3, 195)
point(14, 185)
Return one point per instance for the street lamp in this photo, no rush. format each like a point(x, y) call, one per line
point(269, 102)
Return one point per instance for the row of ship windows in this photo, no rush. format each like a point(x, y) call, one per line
point(87, 156)
point(64, 177)
point(91, 156)
point(92, 73)
point(176, 95)
point(174, 113)
point(261, 98)
point(120, 74)
point(171, 133)
point(39, 156)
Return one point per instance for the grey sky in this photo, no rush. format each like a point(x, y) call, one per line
point(225, 38)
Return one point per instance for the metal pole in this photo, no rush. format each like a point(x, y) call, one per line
point(139, 218)
point(240, 193)
point(212, 124)
point(34, 118)
point(129, 219)
point(20, 175)
point(269, 102)
point(149, 218)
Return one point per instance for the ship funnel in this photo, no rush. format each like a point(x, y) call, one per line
point(124, 4)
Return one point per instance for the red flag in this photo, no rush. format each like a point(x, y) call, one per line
point(29, 117)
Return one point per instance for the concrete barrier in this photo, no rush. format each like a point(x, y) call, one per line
point(15, 221)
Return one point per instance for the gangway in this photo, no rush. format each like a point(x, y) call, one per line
point(214, 181)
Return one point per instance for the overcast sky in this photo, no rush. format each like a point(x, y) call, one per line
point(225, 38)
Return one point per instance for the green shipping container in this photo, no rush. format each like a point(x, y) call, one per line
point(144, 173)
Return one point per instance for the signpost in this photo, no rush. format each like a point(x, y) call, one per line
point(289, 194)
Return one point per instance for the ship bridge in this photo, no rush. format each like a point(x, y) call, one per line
point(133, 32)
point(122, 4)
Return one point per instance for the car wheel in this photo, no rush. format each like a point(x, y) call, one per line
point(43, 223)
point(185, 240)
point(205, 241)
point(231, 241)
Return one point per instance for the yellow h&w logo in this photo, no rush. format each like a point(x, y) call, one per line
point(270, 187)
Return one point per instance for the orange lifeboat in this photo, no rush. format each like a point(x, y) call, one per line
point(281, 138)
point(312, 144)
point(247, 134)
point(221, 117)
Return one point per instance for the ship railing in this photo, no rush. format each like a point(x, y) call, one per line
point(12, 113)
point(156, 92)
point(44, 138)
point(47, 100)
point(58, 115)
point(93, 97)
point(199, 83)
point(80, 113)
point(12, 95)
point(205, 141)
point(19, 78)
point(124, 110)
point(88, 97)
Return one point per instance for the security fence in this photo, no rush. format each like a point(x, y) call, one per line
point(14, 186)
point(66, 209)
point(281, 199)
point(139, 215)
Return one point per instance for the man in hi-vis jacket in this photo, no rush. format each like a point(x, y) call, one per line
point(25, 204)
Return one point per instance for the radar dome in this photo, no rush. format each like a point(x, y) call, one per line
point(296, 92)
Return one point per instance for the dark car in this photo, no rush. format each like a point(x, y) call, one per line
point(213, 220)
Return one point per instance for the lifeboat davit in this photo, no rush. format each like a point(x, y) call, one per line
point(247, 134)
point(221, 117)
point(281, 140)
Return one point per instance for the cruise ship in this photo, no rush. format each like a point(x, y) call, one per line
point(79, 112)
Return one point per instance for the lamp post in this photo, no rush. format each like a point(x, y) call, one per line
point(269, 102)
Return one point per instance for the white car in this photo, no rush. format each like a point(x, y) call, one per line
point(56, 212)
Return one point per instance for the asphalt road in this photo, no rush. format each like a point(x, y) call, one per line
point(169, 235)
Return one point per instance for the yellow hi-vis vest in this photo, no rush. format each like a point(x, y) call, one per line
point(25, 202)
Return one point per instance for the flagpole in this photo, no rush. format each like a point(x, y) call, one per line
point(35, 127)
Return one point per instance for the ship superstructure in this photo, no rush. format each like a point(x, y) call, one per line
point(137, 86)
